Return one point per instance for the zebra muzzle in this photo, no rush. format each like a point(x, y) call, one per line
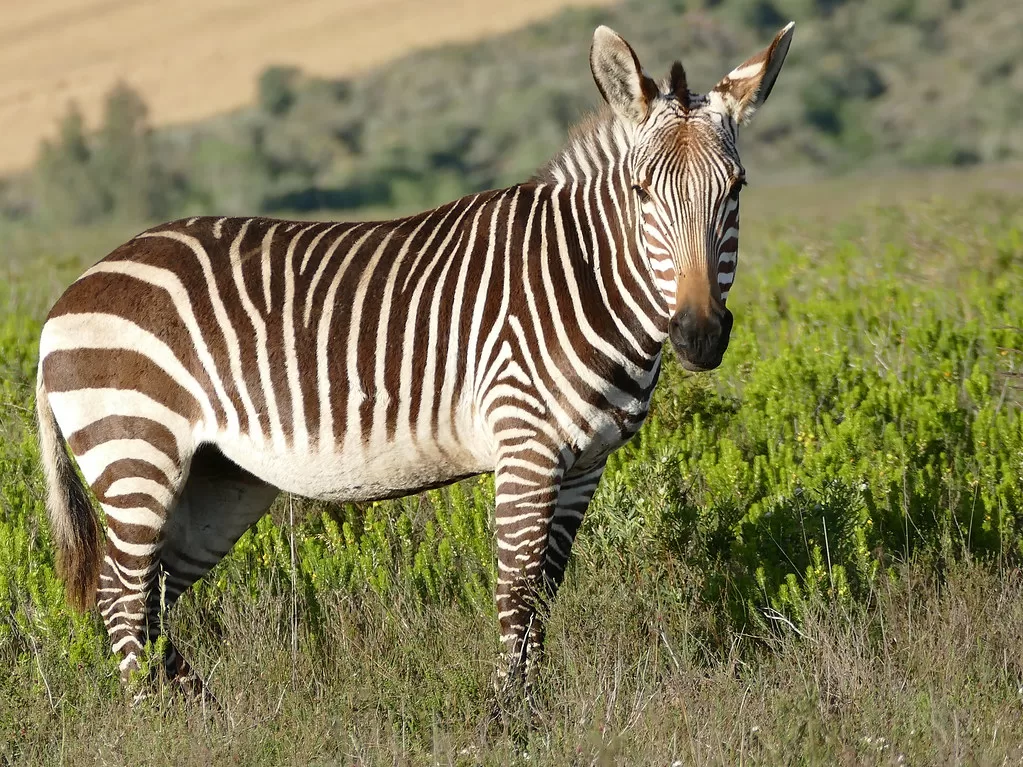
point(700, 341)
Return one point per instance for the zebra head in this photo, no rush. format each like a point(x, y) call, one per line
point(684, 169)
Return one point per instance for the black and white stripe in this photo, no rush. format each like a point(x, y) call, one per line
point(210, 363)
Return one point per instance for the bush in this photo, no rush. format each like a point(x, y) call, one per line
point(276, 89)
point(841, 435)
point(82, 179)
point(867, 85)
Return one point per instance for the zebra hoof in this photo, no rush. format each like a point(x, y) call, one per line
point(193, 689)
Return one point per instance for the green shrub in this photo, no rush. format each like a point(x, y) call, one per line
point(869, 412)
point(276, 89)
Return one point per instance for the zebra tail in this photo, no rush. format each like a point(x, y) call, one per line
point(73, 522)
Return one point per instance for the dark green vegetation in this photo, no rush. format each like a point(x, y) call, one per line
point(876, 83)
point(809, 556)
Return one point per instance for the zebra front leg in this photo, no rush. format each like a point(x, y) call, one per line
point(527, 495)
point(574, 494)
point(536, 526)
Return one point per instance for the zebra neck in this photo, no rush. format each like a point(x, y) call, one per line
point(593, 167)
point(603, 217)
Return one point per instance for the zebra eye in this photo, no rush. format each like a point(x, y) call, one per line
point(644, 195)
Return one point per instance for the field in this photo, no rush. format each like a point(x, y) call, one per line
point(811, 555)
point(205, 61)
point(869, 85)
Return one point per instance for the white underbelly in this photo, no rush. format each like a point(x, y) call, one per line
point(357, 473)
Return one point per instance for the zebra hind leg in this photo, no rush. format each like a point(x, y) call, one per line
point(219, 502)
point(137, 495)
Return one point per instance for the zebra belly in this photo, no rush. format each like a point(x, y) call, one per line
point(358, 474)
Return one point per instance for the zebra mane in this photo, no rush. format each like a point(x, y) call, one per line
point(598, 141)
point(601, 140)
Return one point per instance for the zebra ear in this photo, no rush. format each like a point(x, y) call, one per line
point(620, 77)
point(748, 85)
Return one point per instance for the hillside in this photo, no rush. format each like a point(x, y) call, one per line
point(194, 63)
point(869, 85)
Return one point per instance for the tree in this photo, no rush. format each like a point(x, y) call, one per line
point(277, 89)
point(116, 172)
point(68, 190)
point(125, 161)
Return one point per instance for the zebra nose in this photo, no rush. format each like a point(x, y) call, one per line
point(691, 333)
point(700, 340)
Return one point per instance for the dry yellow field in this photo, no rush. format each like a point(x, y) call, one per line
point(194, 58)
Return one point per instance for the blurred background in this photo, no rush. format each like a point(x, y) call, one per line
point(144, 110)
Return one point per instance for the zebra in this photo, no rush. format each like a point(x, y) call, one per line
point(208, 364)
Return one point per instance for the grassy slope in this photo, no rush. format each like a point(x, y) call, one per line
point(870, 84)
point(191, 65)
point(922, 675)
point(646, 667)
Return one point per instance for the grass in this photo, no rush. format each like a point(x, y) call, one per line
point(873, 385)
point(925, 672)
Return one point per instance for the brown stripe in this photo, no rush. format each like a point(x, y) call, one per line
point(74, 369)
point(113, 427)
point(129, 468)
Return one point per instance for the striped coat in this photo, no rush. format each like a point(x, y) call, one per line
point(208, 364)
